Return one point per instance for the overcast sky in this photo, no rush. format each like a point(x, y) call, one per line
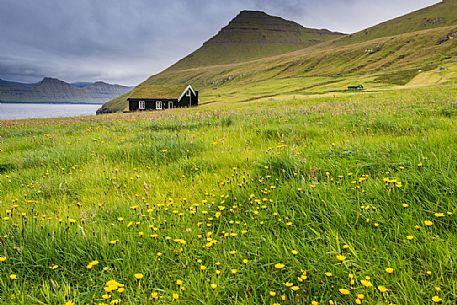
point(125, 41)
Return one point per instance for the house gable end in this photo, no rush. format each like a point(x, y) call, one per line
point(189, 87)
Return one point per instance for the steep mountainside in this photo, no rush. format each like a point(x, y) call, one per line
point(252, 35)
point(438, 15)
point(409, 55)
point(54, 90)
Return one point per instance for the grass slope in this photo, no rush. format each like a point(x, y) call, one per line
point(438, 15)
point(378, 64)
point(318, 200)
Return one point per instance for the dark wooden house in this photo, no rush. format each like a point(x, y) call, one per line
point(355, 88)
point(165, 99)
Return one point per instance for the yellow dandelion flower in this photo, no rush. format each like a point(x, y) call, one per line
point(314, 303)
point(294, 252)
point(13, 277)
point(428, 223)
point(175, 296)
point(234, 271)
point(272, 293)
point(409, 237)
point(382, 289)
point(92, 264)
point(341, 258)
point(106, 296)
point(344, 291)
point(390, 270)
point(202, 267)
point(138, 276)
point(295, 288)
point(279, 266)
point(437, 299)
point(154, 295)
point(213, 286)
point(328, 274)
point(2, 259)
point(366, 283)
point(360, 296)
point(179, 282)
point(69, 302)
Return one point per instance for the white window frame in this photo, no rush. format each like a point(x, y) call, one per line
point(159, 105)
point(170, 103)
point(141, 105)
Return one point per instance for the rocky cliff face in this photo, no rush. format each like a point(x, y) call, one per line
point(255, 27)
point(54, 90)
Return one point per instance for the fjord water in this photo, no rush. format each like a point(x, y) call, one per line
point(29, 110)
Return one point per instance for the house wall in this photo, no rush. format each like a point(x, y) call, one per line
point(150, 104)
point(133, 105)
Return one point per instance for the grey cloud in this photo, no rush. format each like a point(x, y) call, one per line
point(126, 41)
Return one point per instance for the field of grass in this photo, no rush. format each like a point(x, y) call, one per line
point(346, 199)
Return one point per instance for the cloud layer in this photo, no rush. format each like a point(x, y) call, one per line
point(126, 41)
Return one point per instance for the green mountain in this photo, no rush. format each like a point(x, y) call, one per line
point(439, 15)
point(400, 52)
point(252, 35)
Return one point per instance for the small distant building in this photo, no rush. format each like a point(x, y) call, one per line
point(355, 88)
point(167, 98)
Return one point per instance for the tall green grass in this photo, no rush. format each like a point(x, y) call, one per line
point(208, 203)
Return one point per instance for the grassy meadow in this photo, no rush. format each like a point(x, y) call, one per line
point(338, 199)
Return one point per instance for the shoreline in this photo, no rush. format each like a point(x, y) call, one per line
point(20, 111)
point(52, 103)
